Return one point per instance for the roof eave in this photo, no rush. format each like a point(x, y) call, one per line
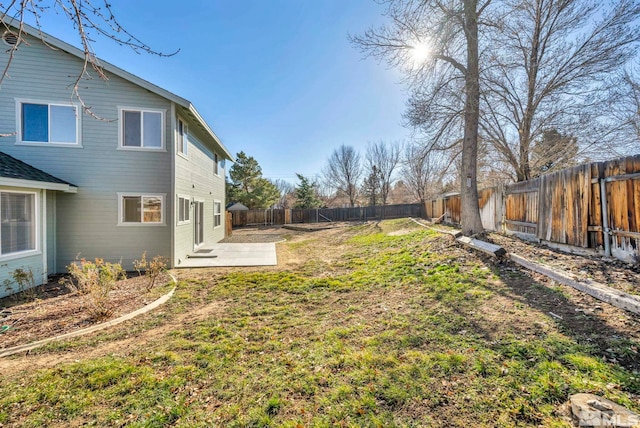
point(213, 135)
point(32, 184)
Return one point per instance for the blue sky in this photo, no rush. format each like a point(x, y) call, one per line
point(277, 79)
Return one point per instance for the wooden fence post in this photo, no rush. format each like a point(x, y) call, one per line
point(228, 224)
point(500, 209)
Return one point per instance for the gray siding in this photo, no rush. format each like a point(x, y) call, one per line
point(195, 179)
point(51, 231)
point(7, 267)
point(87, 221)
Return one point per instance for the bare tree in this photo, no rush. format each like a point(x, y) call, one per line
point(629, 111)
point(423, 170)
point(343, 171)
point(552, 152)
point(90, 18)
point(382, 160)
point(287, 193)
point(554, 66)
point(435, 42)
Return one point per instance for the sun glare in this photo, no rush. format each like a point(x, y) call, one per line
point(419, 53)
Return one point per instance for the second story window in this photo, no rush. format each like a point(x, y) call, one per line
point(183, 139)
point(216, 167)
point(141, 129)
point(41, 122)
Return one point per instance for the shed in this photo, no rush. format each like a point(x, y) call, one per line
point(237, 206)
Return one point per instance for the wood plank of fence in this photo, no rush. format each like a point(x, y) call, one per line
point(228, 223)
point(618, 211)
point(522, 211)
point(623, 196)
point(595, 239)
point(565, 195)
point(633, 194)
point(491, 208)
point(453, 205)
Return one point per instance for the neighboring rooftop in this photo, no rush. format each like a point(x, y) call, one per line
point(236, 206)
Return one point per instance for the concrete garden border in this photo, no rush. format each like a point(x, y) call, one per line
point(28, 346)
point(602, 292)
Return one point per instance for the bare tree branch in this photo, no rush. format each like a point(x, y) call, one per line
point(87, 17)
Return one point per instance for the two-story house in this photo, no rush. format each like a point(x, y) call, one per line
point(145, 173)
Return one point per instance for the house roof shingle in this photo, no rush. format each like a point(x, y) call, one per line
point(11, 167)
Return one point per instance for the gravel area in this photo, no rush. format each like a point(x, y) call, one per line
point(278, 233)
point(247, 235)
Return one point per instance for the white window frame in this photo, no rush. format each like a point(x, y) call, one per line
point(187, 201)
point(19, 140)
point(122, 195)
point(184, 137)
point(217, 214)
point(141, 110)
point(36, 219)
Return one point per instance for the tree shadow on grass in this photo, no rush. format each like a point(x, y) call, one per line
point(611, 333)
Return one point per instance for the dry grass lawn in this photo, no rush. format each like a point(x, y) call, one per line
point(382, 324)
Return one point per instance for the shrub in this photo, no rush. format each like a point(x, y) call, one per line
point(151, 269)
point(26, 284)
point(94, 280)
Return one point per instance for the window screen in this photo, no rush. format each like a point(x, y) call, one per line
point(17, 222)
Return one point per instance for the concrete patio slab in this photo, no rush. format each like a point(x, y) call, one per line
point(231, 254)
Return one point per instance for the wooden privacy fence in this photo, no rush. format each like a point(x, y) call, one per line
point(255, 217)
point(288, 216)
point(591, 208)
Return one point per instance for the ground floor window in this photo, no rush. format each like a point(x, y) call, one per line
point(183, 210)
point(217, 213)
point(137, 209)
point(17, 222)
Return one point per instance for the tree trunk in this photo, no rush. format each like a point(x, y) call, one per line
point(470, 220)
point(532, 74)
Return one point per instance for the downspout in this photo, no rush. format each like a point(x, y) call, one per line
point(43, 235)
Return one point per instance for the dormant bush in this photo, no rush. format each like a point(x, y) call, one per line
point(151, 269)
point(94, 280)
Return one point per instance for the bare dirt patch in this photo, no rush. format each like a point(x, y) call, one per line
point(53, 310)
point(611, 272)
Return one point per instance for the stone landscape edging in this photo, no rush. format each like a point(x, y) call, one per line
point(28, 346)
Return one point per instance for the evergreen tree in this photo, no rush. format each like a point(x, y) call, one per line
point(248, 186)
point(306, 195)
point(372, 186)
